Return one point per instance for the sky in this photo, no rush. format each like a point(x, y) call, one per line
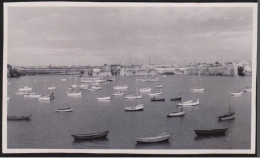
point(40, 36)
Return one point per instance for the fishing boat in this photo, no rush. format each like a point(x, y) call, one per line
point(155, 94)
point(103, 98)
point(90, 136)
point(145, 90)
point(67, 109)
point(157, 98)
point(189, 103)
point(74, 86)
point(160, 138)
point(230, 115)
point(176, 113)
point(138, 107)
point(22, 93)
point(236, 94)
point(248, 89)
point(19, 118)
point(211, 132)
point(158, 86)
point(118, 93)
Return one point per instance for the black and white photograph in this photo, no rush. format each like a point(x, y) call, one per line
point(138, 78)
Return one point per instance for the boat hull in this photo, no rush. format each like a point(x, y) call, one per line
point(211, 132)
point(189, 103)
point(176, 114)
point(228, 116)
point(64, 110)
point(90, 136)
point(156, 139)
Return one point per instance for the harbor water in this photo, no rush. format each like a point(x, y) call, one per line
point(48, 129)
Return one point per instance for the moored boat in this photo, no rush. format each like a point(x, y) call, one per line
point(133, 97)
point(157, 98)
point(158, 86)
point(32, 95)
point(211, 132)
point(248, 89)
point(176, 113)
point(67, 109)
point(19, 118)
point(51, 88)
point(197, 90)
point(90, 136)
point(189, 103)
point(124, 87)
point(227, 116)
point(236, 94)
point(160, 138)
point(46, 98)
point(64, 79)
point(103, 98)
point(138, 107)
point(178, 98)
point(118, 93)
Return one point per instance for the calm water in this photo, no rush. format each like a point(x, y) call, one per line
point(49, 129)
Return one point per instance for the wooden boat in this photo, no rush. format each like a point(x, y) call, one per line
point(236, 94)
point(176, 113)
point(179, 98)
point(19, 118)
point(211, 132)
point(67, 109)
point(189, 103)
point(157, 98)
point(138, 107)
point(118, 93)
point(103, 98)
point(160, 138)
point(90, 136)
point(248, 89)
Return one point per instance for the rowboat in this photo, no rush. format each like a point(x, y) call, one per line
point(90, 136)
point(160, 138)
point(19, 118)
point(211, 132)
point(157, 99)
point(236, 94)
point(189, 103)
point(103, 98)
point(74, 86)
point(118, 93)
point(67, 109)
point(138, 107)
point(133, 97)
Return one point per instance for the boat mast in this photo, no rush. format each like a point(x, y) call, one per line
point(136, 90)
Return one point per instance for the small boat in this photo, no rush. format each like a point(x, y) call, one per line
point(51, 88)
point(64, 79)
point(22, 93)
point(103, 98)
point(189, 103)
point(67, 109)
point(32, 95)
point(96, 87)
point(157, 99)
point(19, 118)
point(90, 136)
point(211, 132)
point(133, 97)
point(176, 113)
point(83, 86)
point(145, 90)
point(118, 93)
point(124, 87)
point(138, 107)
point(74, 86)
point(46, 98)
point(155, 94)
point(179, 98)
point(230, 115)
point(248, 89)
point(236, 94)
point(25, 88)
point(74, 94)
point(198, 90)
point(160, 138)
point(158, 86)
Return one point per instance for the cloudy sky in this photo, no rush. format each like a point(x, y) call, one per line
point(127, 35)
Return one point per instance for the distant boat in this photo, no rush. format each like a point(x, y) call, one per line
point(67, 109)
point(211, 132)
point(236, 94)
point(90, 136)
point(158, 86)
point(32, 95)
point(46, 98)
point(133, 97)
point(118, 93)
point(111, 79)
point(145, 90)
point(178, 98)
point(198, 89)
point(25, 88)
point(19, 118)
point(51, 88)
point(248, 89)
point(160, 138)
point(124, 87)
point(96, 87)
point(138, 107)
point(230, 115)
point(155, 94)
point(74, 86)
point(103, 98)
point(189, 103)
point(74, 94)
point(157, 98)
point(64, 79)
point(176, 113)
